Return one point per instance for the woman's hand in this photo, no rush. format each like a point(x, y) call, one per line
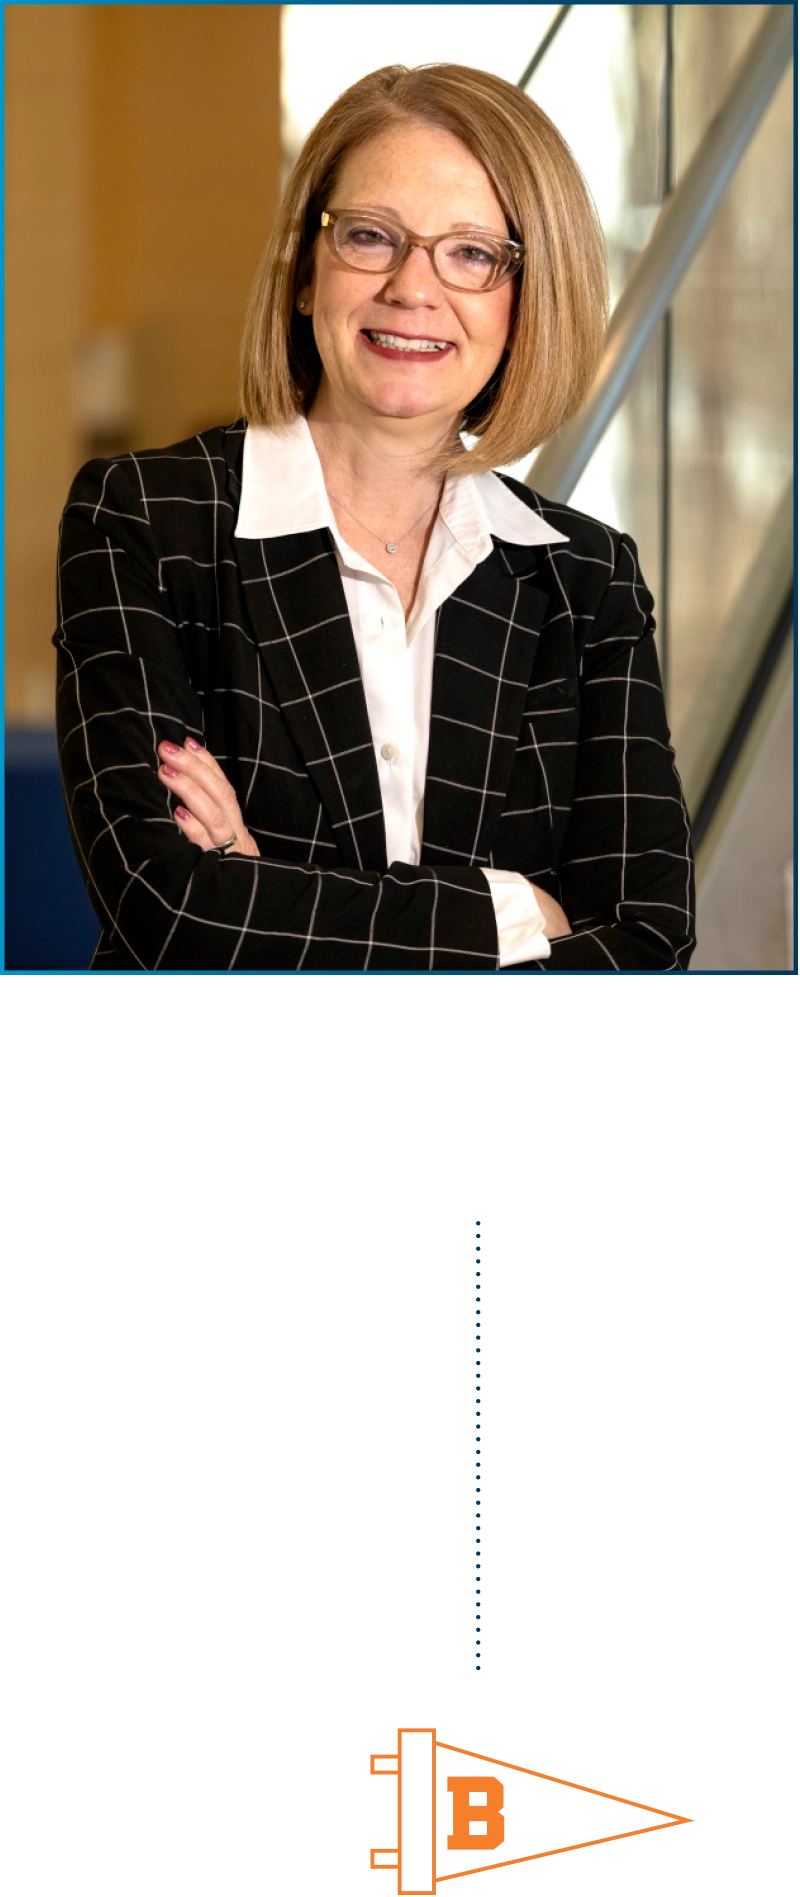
point(555, 921)
point(208, 813)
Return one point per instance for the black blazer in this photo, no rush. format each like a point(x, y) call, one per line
point(549, 749)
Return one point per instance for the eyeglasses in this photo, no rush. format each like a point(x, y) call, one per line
point(462, 260)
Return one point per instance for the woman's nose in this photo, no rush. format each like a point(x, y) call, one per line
point(415, 279)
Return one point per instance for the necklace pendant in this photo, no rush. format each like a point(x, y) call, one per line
point(391, 546)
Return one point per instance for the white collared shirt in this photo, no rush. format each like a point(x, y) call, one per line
point(283, 492)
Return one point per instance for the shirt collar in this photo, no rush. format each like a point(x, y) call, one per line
point(283, 492)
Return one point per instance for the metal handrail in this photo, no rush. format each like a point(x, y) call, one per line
point(743, 722)
point(738, 650)
point(680, 229)
point(554, 28)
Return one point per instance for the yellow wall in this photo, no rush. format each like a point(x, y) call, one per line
point(143, 167)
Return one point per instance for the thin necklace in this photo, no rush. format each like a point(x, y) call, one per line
point(390, 545)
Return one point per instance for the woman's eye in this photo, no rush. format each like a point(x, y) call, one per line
point(473, 254)
point(367, 236)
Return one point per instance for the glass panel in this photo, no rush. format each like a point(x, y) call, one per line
point(732, 401)
point(327, 48)
point(601, 84)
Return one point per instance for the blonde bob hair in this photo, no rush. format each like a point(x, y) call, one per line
point(562, 290)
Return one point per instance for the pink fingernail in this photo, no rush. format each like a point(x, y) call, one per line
point(168, 771)
point(173, 749)
point(180, 812)
point(193, 744)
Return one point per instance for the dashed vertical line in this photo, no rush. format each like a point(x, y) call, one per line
point(480, 1444)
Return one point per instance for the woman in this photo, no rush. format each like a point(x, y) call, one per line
point(333, 695)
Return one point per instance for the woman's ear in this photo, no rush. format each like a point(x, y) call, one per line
point(304, 298)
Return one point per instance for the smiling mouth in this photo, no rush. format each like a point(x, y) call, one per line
point(391, 344)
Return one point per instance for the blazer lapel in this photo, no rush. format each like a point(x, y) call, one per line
point(302, 629)
point(486, 643)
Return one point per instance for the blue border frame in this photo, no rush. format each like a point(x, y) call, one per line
point(5, 6)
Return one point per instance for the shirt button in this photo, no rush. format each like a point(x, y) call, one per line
point(389, 752)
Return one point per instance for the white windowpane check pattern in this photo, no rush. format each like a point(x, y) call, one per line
point(548, 753)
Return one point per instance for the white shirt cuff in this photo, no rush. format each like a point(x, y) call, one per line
point(520, 923)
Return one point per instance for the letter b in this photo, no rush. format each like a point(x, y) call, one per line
point(489, 1813)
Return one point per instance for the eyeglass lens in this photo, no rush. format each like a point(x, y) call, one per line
point(465, 261)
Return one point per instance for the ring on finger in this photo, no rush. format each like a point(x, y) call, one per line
point(223, 847)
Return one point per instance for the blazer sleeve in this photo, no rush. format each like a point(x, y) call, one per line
point(626, 873)
point(124, 685)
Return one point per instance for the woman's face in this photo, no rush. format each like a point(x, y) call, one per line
point(430, 183)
